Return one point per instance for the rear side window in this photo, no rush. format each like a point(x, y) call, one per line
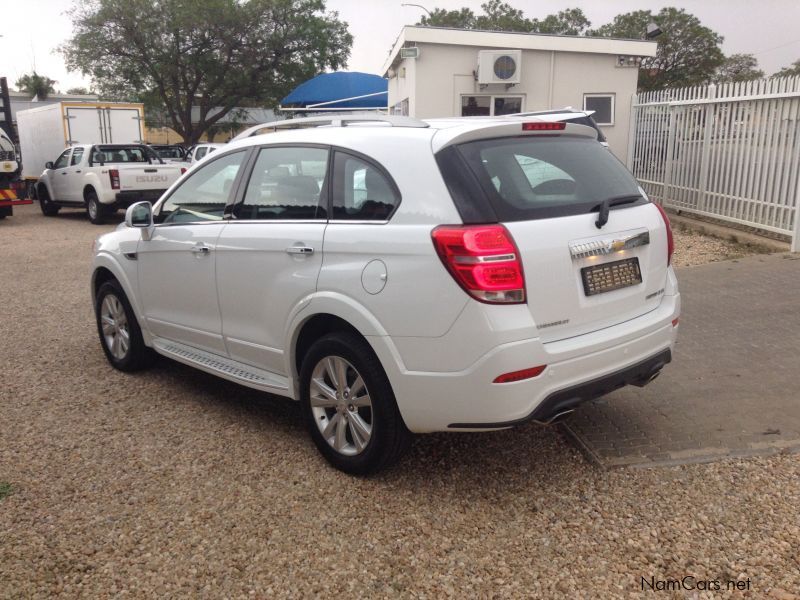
point(537, 177)
point(362, 191)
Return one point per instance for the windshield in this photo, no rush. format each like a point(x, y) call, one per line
point(539, 177)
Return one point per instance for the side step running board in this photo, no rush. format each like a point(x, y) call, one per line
point(222, 367)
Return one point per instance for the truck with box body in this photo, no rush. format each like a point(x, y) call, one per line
point(11, 185)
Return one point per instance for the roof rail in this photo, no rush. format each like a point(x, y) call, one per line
point(334, 121)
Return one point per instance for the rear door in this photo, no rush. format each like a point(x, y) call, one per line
point(580, 277)
point(270, 254)
point(123, 126)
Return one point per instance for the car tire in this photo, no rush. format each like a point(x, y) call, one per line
point(48, 207)
point(119, 331)
point(95, 209)
point(356, 425)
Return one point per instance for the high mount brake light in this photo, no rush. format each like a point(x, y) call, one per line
point(670, 240)
point(537, 126)
point(483, 260)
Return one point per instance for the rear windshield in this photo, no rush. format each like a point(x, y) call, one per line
point(121, 154)
point(538, 177)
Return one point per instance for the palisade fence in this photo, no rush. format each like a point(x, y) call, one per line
point(730, 151)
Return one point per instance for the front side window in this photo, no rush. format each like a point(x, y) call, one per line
point(602, 105)
point(77, 155)
point(287, 183)
point(203, 196)
point(362, 192)
point(63, 160)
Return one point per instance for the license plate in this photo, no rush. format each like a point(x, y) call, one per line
point(608, 277)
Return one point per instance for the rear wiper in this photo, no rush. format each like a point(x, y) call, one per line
point(606, 204)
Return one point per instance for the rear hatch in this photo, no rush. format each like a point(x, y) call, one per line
point(549, 191)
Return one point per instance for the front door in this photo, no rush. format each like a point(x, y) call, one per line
point(177, 266)
point(60, 173)
point(269, 256)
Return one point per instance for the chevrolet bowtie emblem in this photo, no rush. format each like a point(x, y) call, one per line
point(603, 247)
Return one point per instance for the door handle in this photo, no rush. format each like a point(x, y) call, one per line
point(64, 173)
point(78, 171)
point(299, 250)
point(200, 250)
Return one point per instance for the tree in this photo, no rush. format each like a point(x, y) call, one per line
point(688, 52)
point(501, 16)
point(209, 56)
point(460, 19)
point(78, 91)
point(791, 71)
point(566, 22)
point(738, 67)
point(34, 85)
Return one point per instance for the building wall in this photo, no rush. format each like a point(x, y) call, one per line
point(435, 82)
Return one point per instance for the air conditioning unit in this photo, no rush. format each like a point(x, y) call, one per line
point(499, 66)
point(411, 52)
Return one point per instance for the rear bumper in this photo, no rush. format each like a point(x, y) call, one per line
point(578, 369)
point(563, 401)
point(125, 199)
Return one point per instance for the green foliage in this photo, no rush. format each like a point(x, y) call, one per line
point(78, 91)
point(738, 67)
point(34, 84)
point(174, 55)
point(459, 19)
point(501, 16)
point(791, 71)
point(566, 22)
point(5, 489)
point(688, 52)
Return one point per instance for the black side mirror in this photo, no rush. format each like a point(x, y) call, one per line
point(48, 164)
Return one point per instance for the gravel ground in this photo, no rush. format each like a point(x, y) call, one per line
point(692, 248)
point(173, 483)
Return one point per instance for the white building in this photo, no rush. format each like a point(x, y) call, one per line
point(441, 72)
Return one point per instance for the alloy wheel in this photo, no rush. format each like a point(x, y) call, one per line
point(341, 405)
point(114, 322)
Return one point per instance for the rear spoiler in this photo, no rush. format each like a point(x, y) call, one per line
point(510, 127)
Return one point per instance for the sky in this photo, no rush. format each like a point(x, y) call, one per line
point(32, 30)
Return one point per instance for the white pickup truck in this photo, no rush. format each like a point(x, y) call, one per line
point(104, 177)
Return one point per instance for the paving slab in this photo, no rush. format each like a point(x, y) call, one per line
point(733, 388)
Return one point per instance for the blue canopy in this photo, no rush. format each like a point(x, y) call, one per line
point(330, 88)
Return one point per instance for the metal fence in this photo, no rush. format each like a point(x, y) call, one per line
point(731, 151)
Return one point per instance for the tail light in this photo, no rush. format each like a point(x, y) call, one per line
point(183, 170)
point(483, 260)
point(113, 175)
point(670, 241)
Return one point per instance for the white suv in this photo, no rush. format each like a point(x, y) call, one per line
point(399, 276)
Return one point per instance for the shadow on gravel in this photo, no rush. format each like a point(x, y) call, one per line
point(450, 465)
